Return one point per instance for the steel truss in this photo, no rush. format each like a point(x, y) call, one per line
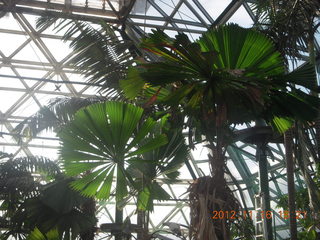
point(23, 79)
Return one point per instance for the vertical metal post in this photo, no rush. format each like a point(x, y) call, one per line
point(288, 142)
point(264, 189)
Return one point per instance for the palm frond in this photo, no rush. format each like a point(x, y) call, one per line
point(290, 24)
point(98, 143)
point(101, 55)
point(21, 178)
point(163, 161)
point(36, 234)
point(56, 114)
point(37, 164)
point(231, 66)
point(4, 155)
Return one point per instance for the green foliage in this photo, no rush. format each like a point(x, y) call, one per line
point(114, 139)
point(165, 160)
point(231, 75)
point(302, 200)
point(235, 68)
point(57, 113)
point(243, 228)
point(17, 182)
point(68, 222)
point(290, 24)
point(37, 235)
point(101, 56)
point(28, 203)
point(133, 87)
point(99, 142)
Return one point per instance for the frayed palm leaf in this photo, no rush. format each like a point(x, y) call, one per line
point(21, 179)
point(101, 55)
point(290, 24)
point(54, 116)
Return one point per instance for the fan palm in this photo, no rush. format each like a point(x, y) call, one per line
point(116, 139)
point(101, 139)
point(99, 50)
point(230, 75)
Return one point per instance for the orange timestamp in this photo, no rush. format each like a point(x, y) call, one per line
point(257, 214)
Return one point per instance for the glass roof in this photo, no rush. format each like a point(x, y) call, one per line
point(34, 68)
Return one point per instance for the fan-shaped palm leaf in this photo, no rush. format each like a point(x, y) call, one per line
point(164, 161)
point(99, 141)
point(235, 68)
point(215, 69)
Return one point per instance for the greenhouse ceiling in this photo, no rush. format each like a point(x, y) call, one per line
point(35, 67)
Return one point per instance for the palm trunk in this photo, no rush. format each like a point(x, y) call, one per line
point(264, 188)
point(90, 209)
point(218, 167)
point(210, 194)
point(317, 127)
point(288, 142)
point(142, 224)
point(119, 221)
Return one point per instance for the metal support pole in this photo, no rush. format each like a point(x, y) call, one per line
point(288, 142)
point(264, 189)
